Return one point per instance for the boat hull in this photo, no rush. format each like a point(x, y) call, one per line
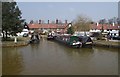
point(50, 38)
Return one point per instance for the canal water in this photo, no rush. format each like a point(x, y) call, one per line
point(53, 58)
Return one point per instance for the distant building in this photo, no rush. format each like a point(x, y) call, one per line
point(112, 29)
point(49, 26)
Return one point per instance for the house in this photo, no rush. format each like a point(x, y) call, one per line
point(112, 29)
point(45, 27)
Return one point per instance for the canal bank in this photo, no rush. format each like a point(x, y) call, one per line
point(12, 44)
point(21, 41)
point(107, 43)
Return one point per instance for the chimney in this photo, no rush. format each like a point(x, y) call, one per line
point(56, 21)
point(97, 23)
point(65, 21)
point(40, 21)
point(113, 24)
point(48, 21)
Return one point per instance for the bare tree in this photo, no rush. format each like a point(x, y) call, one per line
point(82, 23)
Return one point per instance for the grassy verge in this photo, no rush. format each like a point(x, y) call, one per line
point(10, 39)
point(21, 41)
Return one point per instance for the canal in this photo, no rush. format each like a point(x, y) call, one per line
point(52, 58)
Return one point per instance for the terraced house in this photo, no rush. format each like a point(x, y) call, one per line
point(112, 29)
point(45, 27)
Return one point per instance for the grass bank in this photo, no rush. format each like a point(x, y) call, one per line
point(21, 41)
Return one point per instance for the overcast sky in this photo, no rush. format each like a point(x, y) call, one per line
point(67, 10)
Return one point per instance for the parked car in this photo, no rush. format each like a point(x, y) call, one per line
point(24, 32)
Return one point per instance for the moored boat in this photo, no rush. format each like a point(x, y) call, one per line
point(50, 36)
point(75, 41)
point(34, 38)
point(72, 41)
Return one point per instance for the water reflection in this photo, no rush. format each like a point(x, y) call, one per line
point(12, 61)
point(34, 47)
point(80, 52)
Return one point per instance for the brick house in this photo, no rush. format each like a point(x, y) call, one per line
point(49, 26)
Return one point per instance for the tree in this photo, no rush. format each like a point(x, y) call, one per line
point(70, 30)
point(31, 22)
point(11, 18)
point(110, 21)
point(82, 23)
point(114, 20)
point(118, 20)
point(102, 29)
point(103, 21)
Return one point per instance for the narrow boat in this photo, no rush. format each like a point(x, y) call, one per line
point(34, 39)
point(72, 41)
point(50, 36)
point(75, 41)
